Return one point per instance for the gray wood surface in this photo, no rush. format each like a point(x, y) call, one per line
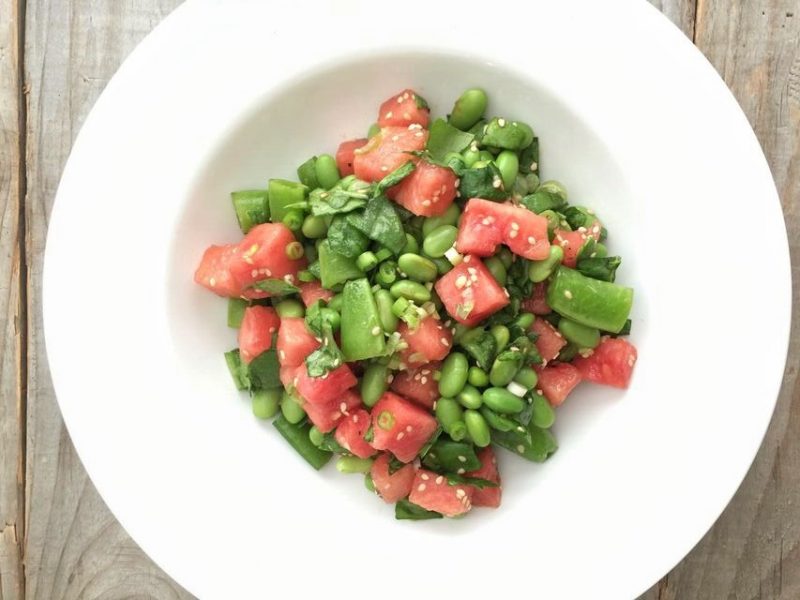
point(57, 538)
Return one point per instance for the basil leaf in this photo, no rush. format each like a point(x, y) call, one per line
point(381, 222)
point(345, 239)
point(275, 287)
point(481, 346)
point(409, 511)
point(336, 201)
point(484, 182)
point(264, 370)
point(604, 269)
point(445, 138)
point(578, 216)
point(330, 444)
point(395, 177)
point(543, 200)
point(429, 444)
point(327, 357)
point(421, 102)
point(529, 158)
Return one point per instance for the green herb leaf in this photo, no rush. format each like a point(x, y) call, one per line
point(534, 444)
point(543, 200)
point(329, 444)
point(445, 138)
point(369, 435)
point(238, 369)
point(381, 222)
point(275, 287)
point(453, 479)
point(429, 444)
point(337, 201)
point(395, 177)
point(327, 357)
point(264, 370)
point(421, 102)
point(405, 510)
point(529, 158)
point(481, 346)
point(578, 216)
point(346, 239)
point(604, 269)
point(484, 182)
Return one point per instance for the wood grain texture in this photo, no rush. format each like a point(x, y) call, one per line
point(11, 326)
point(753, 551)
point(75, 549)
point(680, 12)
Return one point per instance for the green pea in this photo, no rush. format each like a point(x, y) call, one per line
point(471, 155)
point(458, 431)
point(316, 436)
point(542, 414)
point(412, 245)
point(478, 377)
point(290, 308)
point(539, 270)
point(294, 250)
point(293, 219)
point(496, 421)
point(367, 261)
point(314, 227)
point(410, 290)
point(501, 336)
point(449, 217)
point(477, 428)
point(387, 273)
point(470, 397)
point(373, 130)
point(581, 335)
point(506, 256)
point(368, 483)
point(510, 135)
point(332, 317)
point(554, 187)
point(327, 171)
point(508, 163)
point(454, 374)
point(525, 320)
point(353, 464)
point(417, 267)
point(440, 240)
point(448, 412)
point(497, 269)
point(502, 372)
point(502, 401)
point(291, 409)
point(266, 403)
point(374, 383)
point(336, 303)
point(527, 378)
point(468, 109)
point(387, 318)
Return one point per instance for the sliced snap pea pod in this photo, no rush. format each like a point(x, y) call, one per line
point(252, 208)
point(290, 308)
point(387, 273)
point(297, 436)
point(236, 308)
point(510, 135)
point(468, 109)
point(539, 270)
point(385, 301)
point(283, 194)
point(498, 421)
point(367, 261)
point(362, 334)
point(452, 457)
point(534, 444)
point(580, 335)
point(590, 302)
point(353, 464)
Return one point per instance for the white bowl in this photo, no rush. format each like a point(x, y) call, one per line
point(221, 97)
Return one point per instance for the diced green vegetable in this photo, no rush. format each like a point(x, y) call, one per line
point(334, 268)
point(589, 301)
point(236, 308)
point(307, 173)
point(445, 138)
point(409, 511)
point(362, 334)
point(252, 208)
point(297, 436)
point(285, 196)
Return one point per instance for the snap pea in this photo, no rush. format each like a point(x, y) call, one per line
point(470, 397)
point(368, 483)
point(388, 320)
point(291, 408)
point(535, 444)
point(454, 374)
point(417, 267)
point(508, 163)
point(316, 436)
point(383, 254)
point(470, 155)
point(400, 306)
point(509, 135)
point(468, 109)
point(590, 302)
point(497, 421)
point(327, 172)
point(294, 250)
point(410, 290)
point(543, 414)
point(448, 412)
point(452, 457)
point(362, 335)
point(527, 378)
point(266, 403)
point(297, 436)
point(554, 187)
point(477, 428)
point(373, 130)
point(478, 377)
point(501, 400)
point(236, 308)
point(440, 240)
point(353, 464)
point(331, 316)
point(251, 207)
point(387, 273)
point(374, 383)
point(581, 335)
point(449, 217)
point(335, 303)
point(314, 227)
point(539, 270)
point(501, 336)
point(412, 245)
point(307, 276)
point(497, 269)
point(367, 261)
point(290, 308)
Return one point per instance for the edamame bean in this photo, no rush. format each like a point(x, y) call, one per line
point(448, 412)
point(367, 261)
point(388, 320)
point(440, 240)
point(458, 431)
point(502, 401)
point(314, 227)
point(542, 414)
point(539, 270)
point(290, 308)
point(468, 109)
point(410, 290)
point(485, 155)
point(293, 219)
point(266, 403)
point(496, 421)
point(477, 428)
point(470, 156)
point(353, 464)
point(374, 383)
point(502, 372)
point(417, 267)
point(336, 303)
point(554, 187)
point(520, 187)
point(506, 256)
point(316, 436)
point(454, 374)
point(525, 320)
point(508, 163)
point(532, 181)
point(291, 409)
point(449, 217)
point(497, 269)
point(327, 171)
point(387, 273)
point(527, 378)
point(470, 397)
point(553, 221)
point(509, 135)
point(368, 483)
point(581, 335)
point(501, 336)
point(478, 377)
point(373, 130)
point(294, 250)
point(412, 246)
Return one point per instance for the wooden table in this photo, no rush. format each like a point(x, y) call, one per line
point(57, 538)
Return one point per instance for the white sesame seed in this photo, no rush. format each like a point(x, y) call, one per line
point(439, 480)
point(384, 168)
point(521, 449)
point(462, 458)
point(496, 183)
point(567, 294)
point(376, 330)
point(596, 229)
point(501, 122)
point(355, 418)
point(405, 96)
point(401, 435)
point(419, 134)
point(426, 202)
point(212, 282)
point(421, 487)
point(564, 243)
point(631, 361)
point(399, 99)
point(414, 126)
point(409, 428)
point(461, 281)
point(461, 471)
point(460, 493)
point(531, 240)
point(467, 259)
point(424, 380)
point(395, 138)
point(425, 477)
point(445, 342)
point(513, 233)
point(282, 354)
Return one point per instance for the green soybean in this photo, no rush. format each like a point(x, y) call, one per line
point(458, 431)
point(581, 335)
point(468, 109)
point(443, 265)
point(506, 257)
point(236, 308)
point(373, 130)
point(448, 412)
point(542, 414)
point(505, 134)
point(314, 227)
point(460, 331)
point(527, 378)
point(266, 403)
point(293, 219)
point(470, 156)
point(411, 246)
point(470, 397)
point(367, 261)
point(384, 301)
point(410, 290)
point(291, 409)
point(449, 217)
point(502, 372)
point(477, 377)
point(332, 317)
point(454, 374)
point(327, 171)
point(316, 436)
point(353, 464)
point(525, 320)
point(387, 273)
point(502, 401)
point(539, 270)
point(497, 421)
point(501, 336)
point(497, 269)
point(374, 383)
point(335, 303)
point(477, 428)
point(532, 181)
point(554, 187)
point(440, 240)
point(508, 163)
point(290, 308)
point(417, 267)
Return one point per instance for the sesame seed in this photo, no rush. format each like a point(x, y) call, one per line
point(467, 259)
point(461, 471)
point(389, 115)
point(283, 354)
point(426, 371)
point(505, 291)
point(355, 418)
point(631, 361)
point(514, 225)
point(513, 233)
point(531, 240)
point(212, 282)
point(473, 146)
point(401, 435)
point(564, 243)
point(445, 341)
point(343, 407)
point(417, 377)
point(496, 183)
point(439, 480)
point(414, 126)
point(247, 259)
point(462, 458)
point(376, 330)
point(390, 379)
point(272, 330)
point(593, 255)
point(421, 487)
point(409, 428)
point(534, 166)
point(567, 294)
point(426, 202)
point(405, 96)
point(419, 134)
point(501, 122)
point(460, 493)
point(521, 449)
point(254, 273)
point(461, 281)
point(425, 477)
point(395, 138)
point(582, 229)
point(399, 99)
point(424, 380)
point(384, 168)
point(596, 229)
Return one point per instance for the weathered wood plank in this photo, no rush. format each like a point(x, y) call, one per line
point(680, 12)
point(753, 551)
point(11, 409)
point(74, 546)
